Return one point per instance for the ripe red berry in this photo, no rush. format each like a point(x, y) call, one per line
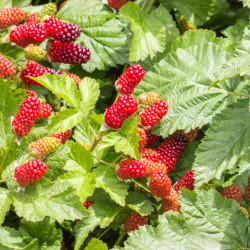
point(63, 136)
point(7, 68)
point(32, 18)
point(130, 79)
point(76, 78)
point(143, 139)
point(70, 53)
point(30, 172)
point(150, 155)
point(32, 93)
point(124, 107)
point(87, 204)
point(171, 149)
point(187, 181)
point(151, 166)
point(45, 110)
point(129, 169)
point(116, 4)
point(232, 192)
point(170, 202)
point(190, 135)
point(32, 69)
point(134, 221)
point(247, 190)
point(53, 71)
point(26, 116)
point(30, 33)
point(153, 115)
point(60, 30)
point(11, 16)
point(148, 99)
point(160, 184)
point(151, 139)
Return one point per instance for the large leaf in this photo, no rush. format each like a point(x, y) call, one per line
point(106, 178)
point(207, 221)
point(6, 201)
point(224, 143)
point(149, 33)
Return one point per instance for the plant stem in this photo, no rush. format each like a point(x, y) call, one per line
point(119, 240)
point(97, 140)
point(239, 94)
point(104, 162)
point(103, 233)
point(5, 180)
point(6, 153)
point(149, 7)
point(118, 158)
point(143, 5)
point(125, 68)
point(90, 127)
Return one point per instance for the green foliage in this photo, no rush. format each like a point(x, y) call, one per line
point(96, 244)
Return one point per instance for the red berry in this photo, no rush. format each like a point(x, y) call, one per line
point(190, 135)
point(32, 18)
point(171, 149)
point(7, 68)
point(32, 93)
point(150, 155)
point(247, 190)
point(87, 203)
point(151, 166)
point(30, 33)
point(30, 172)
point(130, 79)
point(151, 139)
point(134, 221)
point(153, 115)
point(129, 169)
point(63, 136)
point(148, 99)
point(76, 78)
point(143, 139)
point(232, 192)
point(61, 31)
point(45, 111)
point(170, 202)
point(11, 16)
point(123, 108)
point(26, 116)
point(160, 184)
point(53, 71)
point(32, 69)
point(187, 181)
point(70, 53)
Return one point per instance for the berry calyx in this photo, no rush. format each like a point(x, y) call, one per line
point(11, 16)
point(116, 4)
point(247, 190)
point(187, 181)
point(151, 138)
point(130, 79)
point(30, 172)
point(61, 31)
point(170, 202)
point(45, 110)
point(151, 166)
point(34, 53)
point(123, 108)
point(160, 184)
point(150, 154)
point(87, 204)
point(7, 68)
point(190, 135)
point(63, 136)
point(147, 99)
point(69, 53)
point(129, 169)
point(41, 148)
point(171, 149)
point(143, 139)
point(232, 192)
point(134, 221)
point(153, 115)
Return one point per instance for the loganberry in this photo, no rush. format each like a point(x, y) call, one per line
point(151, 166)
point(150, 155)
point(45, 110)
point(232, 192)
point(151, 139)
point(7, 68)
point(129, 169)
point(11, 16)
point(34, 53)
point(148, 99)
point(87, 204)
point(63, 136)
point(190, 135)
point(32, 18)
point(134, 221)
point(143, 139)
point(187, 181)
point(247, 190)
point(170, 202)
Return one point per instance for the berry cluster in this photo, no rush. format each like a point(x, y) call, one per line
point(11, 16)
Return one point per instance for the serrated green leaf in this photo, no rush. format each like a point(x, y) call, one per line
point(224, 142)
point(6, 201)
point(65, 120)
point(207, 221)
point(102, 213)
point(149, 34)
point(62, 86)
point(140, 203)
point(106, 178)
point(96, 244)
point(47, 199)
point(89, 91)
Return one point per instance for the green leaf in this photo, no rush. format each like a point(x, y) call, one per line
point(13, 53)
point(5, 4)
point(224, 142)
point(62, 86)
point(102, 213)
point(48, 199)
point(20, 3)
point(65, 120)
point(96, 244)
point(89, 92)
point(207, 221)
point(246, 3)
point(106, 178)
point(195, 11)
point(140, 203)
point(6, 201)
point(126, 140)
point(149, 33)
